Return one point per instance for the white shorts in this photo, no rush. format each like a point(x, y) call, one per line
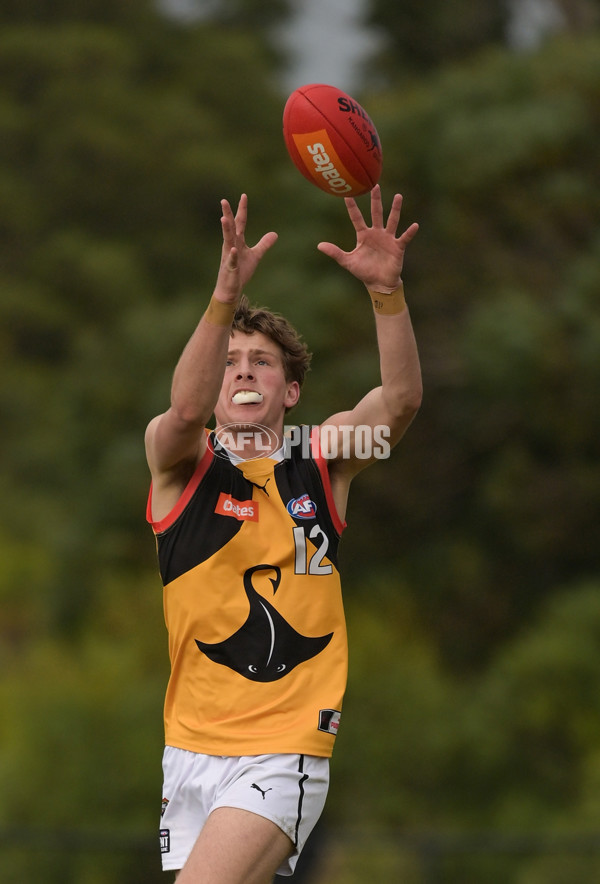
point(289, 790)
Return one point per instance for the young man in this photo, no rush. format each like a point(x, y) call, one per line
point(247, 529)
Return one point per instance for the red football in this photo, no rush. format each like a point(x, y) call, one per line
point(332, 140)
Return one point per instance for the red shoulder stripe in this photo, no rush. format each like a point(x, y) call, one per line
point(199, 473)
point(321, 463)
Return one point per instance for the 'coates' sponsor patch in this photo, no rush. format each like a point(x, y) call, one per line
point(322, 162)
point(242, 510)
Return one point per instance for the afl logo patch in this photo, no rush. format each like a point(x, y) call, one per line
point(302, 507)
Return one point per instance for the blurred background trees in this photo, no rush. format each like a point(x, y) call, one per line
point(471, 558)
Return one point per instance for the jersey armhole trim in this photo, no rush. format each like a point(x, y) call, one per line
point(321, 463)
point(162, 524)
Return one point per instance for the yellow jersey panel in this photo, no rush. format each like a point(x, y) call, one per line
point(253, 608)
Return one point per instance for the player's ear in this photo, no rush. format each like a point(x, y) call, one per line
point(292, 394)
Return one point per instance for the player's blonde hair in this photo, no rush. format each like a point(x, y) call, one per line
point(295, 355)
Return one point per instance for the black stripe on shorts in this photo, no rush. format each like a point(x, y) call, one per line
point(303, 779)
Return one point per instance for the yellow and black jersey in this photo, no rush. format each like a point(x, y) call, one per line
point(253, 607)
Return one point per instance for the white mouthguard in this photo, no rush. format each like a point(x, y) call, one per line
point(246, 396)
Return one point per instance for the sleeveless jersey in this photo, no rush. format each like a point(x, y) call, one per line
point(253, 607)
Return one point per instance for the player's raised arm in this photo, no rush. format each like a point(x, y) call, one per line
point(377, 261)
point(175, 440)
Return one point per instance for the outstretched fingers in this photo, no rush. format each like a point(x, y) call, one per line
point(239, 260)
point(332, 251)
point(355, 214)
point(227, 225)
point(241, 216)
point(376, 207)
point(409, 234)
point(232, 260)
point(377, 216)
point(234, 225)
point(265, 243)
point(378, 256)
point(394, 216)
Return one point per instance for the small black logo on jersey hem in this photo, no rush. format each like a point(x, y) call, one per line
point(329, 721)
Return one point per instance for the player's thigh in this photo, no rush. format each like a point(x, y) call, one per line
point(236, 847)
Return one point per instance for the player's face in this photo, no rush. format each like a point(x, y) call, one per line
point(254, 388)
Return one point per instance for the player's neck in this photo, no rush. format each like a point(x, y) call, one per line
point(248, 441)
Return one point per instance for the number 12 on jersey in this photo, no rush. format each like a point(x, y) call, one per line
point(312, 565)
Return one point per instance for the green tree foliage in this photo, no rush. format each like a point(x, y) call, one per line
point(81, 744)
point(471, 556)
point(490, 506)
point(421, 36)
point(119, 140)
point(115, 158)
point(499, 159)
point(242, 14)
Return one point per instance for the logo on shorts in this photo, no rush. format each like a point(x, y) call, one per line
point(263, 792)
point(165, 840)
point(164, 805)
point(329, 721)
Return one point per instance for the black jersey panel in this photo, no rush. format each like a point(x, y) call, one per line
point(200, 531)
point(299, 484)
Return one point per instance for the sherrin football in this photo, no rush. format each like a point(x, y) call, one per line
point(332, 140)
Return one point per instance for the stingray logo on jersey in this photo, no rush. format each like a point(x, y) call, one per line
point(302, 507)
point(249, 441)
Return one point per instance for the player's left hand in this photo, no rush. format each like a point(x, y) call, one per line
point(378, 257)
